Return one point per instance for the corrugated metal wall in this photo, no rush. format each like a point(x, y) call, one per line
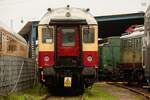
point(16, 73)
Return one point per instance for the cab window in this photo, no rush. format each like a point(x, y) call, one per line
point(68, 37)
point(88, 35)
point(47, 35)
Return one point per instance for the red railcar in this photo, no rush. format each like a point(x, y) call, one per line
point(68, 48)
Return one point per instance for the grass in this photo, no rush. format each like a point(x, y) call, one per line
point(34, 93)
point(96, 93)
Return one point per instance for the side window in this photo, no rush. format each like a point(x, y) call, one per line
point(123, 43)
point(12, 45)
point(88, 35)
point(136, 43)
point(130, 43)
point(1, 41)
point(47, 35)
point(140, 44)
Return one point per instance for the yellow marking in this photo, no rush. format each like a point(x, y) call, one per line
point(44, 46)
point(91, 46)
point(67, 81)
point(86, 46)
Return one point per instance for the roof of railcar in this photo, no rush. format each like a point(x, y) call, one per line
point(138, 32)
point(68, 13)
point(3, 26)
point(9, 30)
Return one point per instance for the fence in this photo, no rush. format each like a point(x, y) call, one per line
point(16, 73)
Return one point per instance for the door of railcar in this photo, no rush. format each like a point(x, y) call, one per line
point(68, 41)
point(68, 46)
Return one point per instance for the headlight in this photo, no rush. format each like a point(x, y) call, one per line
point(89, 58)
point(46, 58)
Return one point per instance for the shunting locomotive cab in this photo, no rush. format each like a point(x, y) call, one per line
point(68, 48)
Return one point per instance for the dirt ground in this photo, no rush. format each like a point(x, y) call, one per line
point(121, 93)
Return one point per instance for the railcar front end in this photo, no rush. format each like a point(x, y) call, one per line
point(68, 48)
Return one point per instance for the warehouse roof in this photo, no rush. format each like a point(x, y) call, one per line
point(120, 17)
point(111, 25)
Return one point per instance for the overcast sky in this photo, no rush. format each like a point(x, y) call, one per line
point(16, 10)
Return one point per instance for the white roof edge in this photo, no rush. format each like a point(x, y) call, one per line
point(132, 35)
point(14, 34)
point(75, 14)
point(138, 32)
point(5, 27)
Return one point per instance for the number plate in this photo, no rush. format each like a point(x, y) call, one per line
point(67, 81)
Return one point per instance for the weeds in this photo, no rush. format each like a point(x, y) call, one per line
point(95, 93)
point(34, 93)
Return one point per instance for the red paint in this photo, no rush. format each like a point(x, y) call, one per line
point(67, 50)
point(94, 61)
point(131, 28)
point(41, 56)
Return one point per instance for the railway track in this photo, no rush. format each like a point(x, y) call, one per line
point(137, 90)
point(49, 97)
point(112, 88)
point(81, 97)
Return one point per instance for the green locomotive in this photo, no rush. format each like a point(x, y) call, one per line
point(109, 57)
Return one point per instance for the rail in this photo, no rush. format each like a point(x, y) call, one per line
point(137, 90)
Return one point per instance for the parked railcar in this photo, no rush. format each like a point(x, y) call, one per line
point(109, 57)
point(146, 48)
point(131, 64)
point(12, 44)
point(68, 48)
